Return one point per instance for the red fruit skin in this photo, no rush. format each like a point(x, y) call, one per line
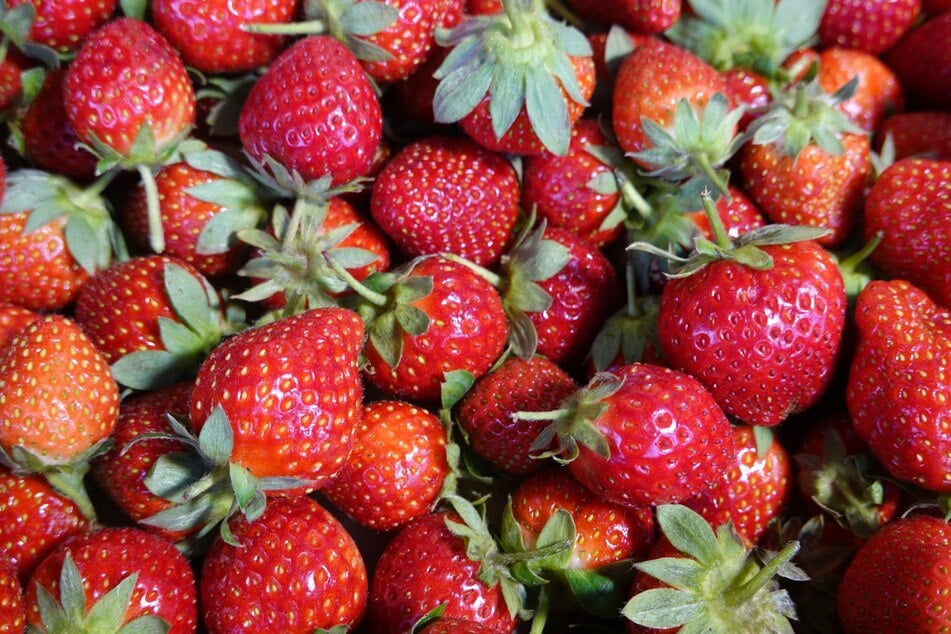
point(911, 204)
point(297, 569)
point(914, 133)
point(637, 16)
point(426, 566)
point(121, 472)
point(292, 392)
point(457, 626)
point(904, 567)
point(467, 331)
point(409, 39)
point(763, 342)
point(584, 293)
point(445, 194)
point(752, 492)
point(209, 34)
point(936, 7)
point(13, 319)
point(817, 189)
point(124, 76)
point(12, 66)
point(397, 468)
point(898, 387)
point(487, 412)
point(739, 215)
point(520, 138)
point(165, 586)
point(744, 87)
point(34, 518)
point(48, 139)
point(872, 26)
point(877, 94)
point(557, 186)
point(606, 533)
point(315, 112)
point(64, 24)
point(922, 62)
point(12, 610)
point(668, 440)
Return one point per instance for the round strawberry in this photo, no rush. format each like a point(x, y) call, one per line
point(64, 24)
point(293, 570)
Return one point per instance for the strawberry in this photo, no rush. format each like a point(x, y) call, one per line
point(64, 24)
point(13, 319)
point(109, 578)
point(935, 7)
point(488, 413)
point(877, 92)
point(214, 40)
point(901, 566)
point(922, 63)
point(910, 204)
point(294, 569)
point(412, 98)
point(642, 436)
point(332, 128)
point(637, 16)
point(738, 213)
point(915, 133)
point(59, 406)
point(13, 68)
point(441, 194)
point(753, 491)
point(398, 467)
point(456, 626)
point(605, 533)
point(12, 610)
point(897, 385)
point(34, 518)
point(872, 27)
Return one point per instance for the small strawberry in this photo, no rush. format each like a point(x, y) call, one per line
point(12, 609)
point(13, 319)
point(398, 467)
point(917, 133)
point(870, 26)
point(442, 194)
point(922, 62)
point(901, 566)
point(877, 91)
point(637, 16)
point(897, 391)
point(64, 24)
point(110, 578)
point(910, 204)
point(294, 569)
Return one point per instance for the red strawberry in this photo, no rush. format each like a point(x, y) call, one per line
point(870, 26)
point(753, 491)
point(13, 319)
point(897, 386)
point(34, 518)
point(456, 626)
point(902, 566)
point(877, 93)
point(213, 39)
point(12, 67)
point(398, 467)
point(330, 128)
point(606, 533)
point(910, 204)
point(914, 133)
point(488, 412)
point(64, 24)
point(12, 610)
point(935, 7)
point(637, 16)
point(294, 569)
point(447, 195)
point(922, 62)
point(113, 576)
point(749, 89)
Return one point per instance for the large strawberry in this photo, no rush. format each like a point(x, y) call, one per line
point(913, 133)
point(294, 570)
point(898, 383)
point(315, 112)
point(869, 26)
point(110, 578)
point(922, 62)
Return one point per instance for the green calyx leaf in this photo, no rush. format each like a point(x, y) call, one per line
point(626, 334)
point(16, 23)
point(277, 182)
point(351, 23)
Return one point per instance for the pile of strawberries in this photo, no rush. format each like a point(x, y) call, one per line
point(394, 316)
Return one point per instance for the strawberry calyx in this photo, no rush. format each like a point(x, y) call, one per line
point(717, 585)
point(16, 27)
point(520, 58)
point(280, 183)
point(69, 615)
point(856, 269)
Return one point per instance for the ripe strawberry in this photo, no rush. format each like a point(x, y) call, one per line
point(877, 93)
point(637, 16)
point(936, 7)
point(428, 318)
point(59, 405)
point(605, 533)
point(112, 577)
point(213, 39)
point(642, 436)
point(12, 610)
point(753, 491)
point(331, 128)
point(910, 204)
point(749, 89)
point(34, 518)
point(914, 133)
point(64, 24)
point(872, 27)
point(13, 319)
point(456, 626)
point(901, 566)
point(442, 194)
point(398, 467)
point(13, 66)
point(897, 386)
point(488, 412)
point(922, 62)
point(294, 569)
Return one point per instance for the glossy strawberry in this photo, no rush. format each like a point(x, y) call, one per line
point(442, 194)
point(13, 319)
point(12, 67)
point(398, 467)
point(638, 16)
point(64, 24)
point(872, 27)
point(12, 610)
point(456, 626)
point(294, 569)
point(913, 133)
point(148, 578)
point(331, 128)
point(897, 386)
point(877, 93)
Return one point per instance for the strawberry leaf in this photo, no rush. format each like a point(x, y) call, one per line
point(108, 613)
point(216, 437)
point(662, 608)
point(368, 18)
point(149, 369)
point(146, 624)
point(173, 474)
point(688, 532)
point(679, 572)
point(547, 110)
point(220, 233)
point(597, 592)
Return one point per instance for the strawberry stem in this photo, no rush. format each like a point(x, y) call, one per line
point(492, 278)
point(377, 299)
point(541, 611)
point(633, 198)
point(96, 188)
point(850, 263)
point(309, 27)
point(703, 161)
point(153, 206)
point(554, 414)
point(744, 593)
point(68, 480)
point(561, 10)
point(720, 235)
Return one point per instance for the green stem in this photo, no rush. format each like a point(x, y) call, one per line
point(801, 105)
point(492, 278)
point(96, 188)
point(634, 199)
point(154, 210)
point(553, 414)
point(310, 27)
point(377, 299)
point(744, 593)
point(852, 262)
point(560, 9)
point(630, 284)
point(720, 235)
point(703, 162)
point(68, 480)
point(541, 611)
